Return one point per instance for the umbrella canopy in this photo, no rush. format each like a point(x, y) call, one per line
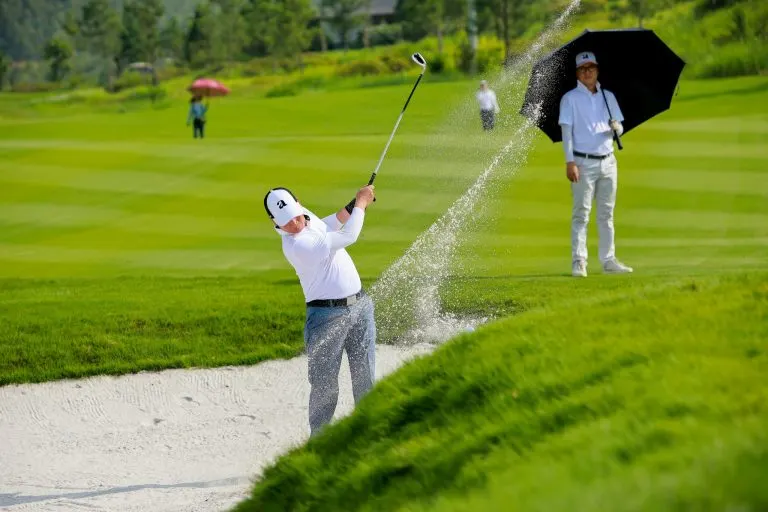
point(634, 64)
point(208, 87)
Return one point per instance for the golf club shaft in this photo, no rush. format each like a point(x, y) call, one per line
point(381, 159)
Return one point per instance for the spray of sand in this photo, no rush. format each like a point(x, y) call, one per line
point(407, 294)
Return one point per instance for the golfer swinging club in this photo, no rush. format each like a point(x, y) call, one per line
point(339, 313)
point(587, 127)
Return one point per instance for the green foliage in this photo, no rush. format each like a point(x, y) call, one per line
point(281, 90)
point(363, 67)
point(98, 28)
point(171, 40)
point(5, 65)
point(130, 79)
point(489, 55)
point(734, 60)
point(139, 39)
point(640, 9)
point(199, 42)
point(385, 34)
point(279, 28)
point(345, 16)
point(430, 17)
point(58, 52)
point(228, 30)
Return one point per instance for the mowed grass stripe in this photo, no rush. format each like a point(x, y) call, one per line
point(640, 216)
point(726, 181)
point(189, 259)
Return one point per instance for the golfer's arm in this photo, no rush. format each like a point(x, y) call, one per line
point(348, 234)
point(342, 216)
point(567, 142)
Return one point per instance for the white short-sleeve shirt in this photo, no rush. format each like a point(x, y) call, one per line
point(585, 112)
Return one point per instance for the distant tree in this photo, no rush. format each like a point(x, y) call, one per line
point(228, 29)
point(436, 17)
point(279, 28)
point(199, 44)
point(172, 39)
point(58, 52)
point(5, 66)
point(510, 19)
point(293, 22)
point(98, 32)
point(640, 9)
point(345, 16)
point(262, 32)
point(140, 38)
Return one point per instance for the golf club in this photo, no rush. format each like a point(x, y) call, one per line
point(418, 59)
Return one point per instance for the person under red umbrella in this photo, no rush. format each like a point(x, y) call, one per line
point(197, 110)
point(196, 116)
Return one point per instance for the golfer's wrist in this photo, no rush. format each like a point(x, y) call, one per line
point(351, 206)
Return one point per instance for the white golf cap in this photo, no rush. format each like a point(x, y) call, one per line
point(282, 206)
point(585, 58)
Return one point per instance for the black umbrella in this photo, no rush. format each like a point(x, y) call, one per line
point(637, 66)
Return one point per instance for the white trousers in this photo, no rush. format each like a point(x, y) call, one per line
point(597, 180)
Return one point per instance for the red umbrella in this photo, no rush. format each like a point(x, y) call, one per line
point(208, 87)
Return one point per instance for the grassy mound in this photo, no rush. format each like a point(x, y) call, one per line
point(653, 399)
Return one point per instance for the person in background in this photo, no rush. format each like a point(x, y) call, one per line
point(489, 107)
point(590, 164)
point(196, 116)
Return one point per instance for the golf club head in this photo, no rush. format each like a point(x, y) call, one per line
point(418, 59)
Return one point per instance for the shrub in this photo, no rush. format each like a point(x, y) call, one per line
point(395, 63)
point(153, 94)
point(284, 89)
point(35, 87)
point(385, 34)
point(490, 54)
point(130, 79)
point(438, 63)
point(736, 59)
point(363, 67)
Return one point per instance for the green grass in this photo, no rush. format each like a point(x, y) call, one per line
point(55, 329)
point(126, 245)
point(645, 397)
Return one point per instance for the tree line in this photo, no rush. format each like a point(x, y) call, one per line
point(119, 33)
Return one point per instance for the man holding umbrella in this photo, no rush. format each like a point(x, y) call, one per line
point(589, 117)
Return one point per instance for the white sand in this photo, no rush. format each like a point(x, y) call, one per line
point(177, 440)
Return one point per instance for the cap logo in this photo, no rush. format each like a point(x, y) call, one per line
point(281, 204)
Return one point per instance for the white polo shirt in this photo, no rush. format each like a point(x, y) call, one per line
point(588, 117)
point(317, 253)
point(487, 100)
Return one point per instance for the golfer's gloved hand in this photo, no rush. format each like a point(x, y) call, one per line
point(365, 195)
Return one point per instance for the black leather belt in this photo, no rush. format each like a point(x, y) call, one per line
point(593, 157)
point(335, 303)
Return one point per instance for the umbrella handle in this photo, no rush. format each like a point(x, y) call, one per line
point(618, 140)
point(615, 134)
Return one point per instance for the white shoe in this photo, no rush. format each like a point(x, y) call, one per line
point(579, 269)
point(614, 266)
